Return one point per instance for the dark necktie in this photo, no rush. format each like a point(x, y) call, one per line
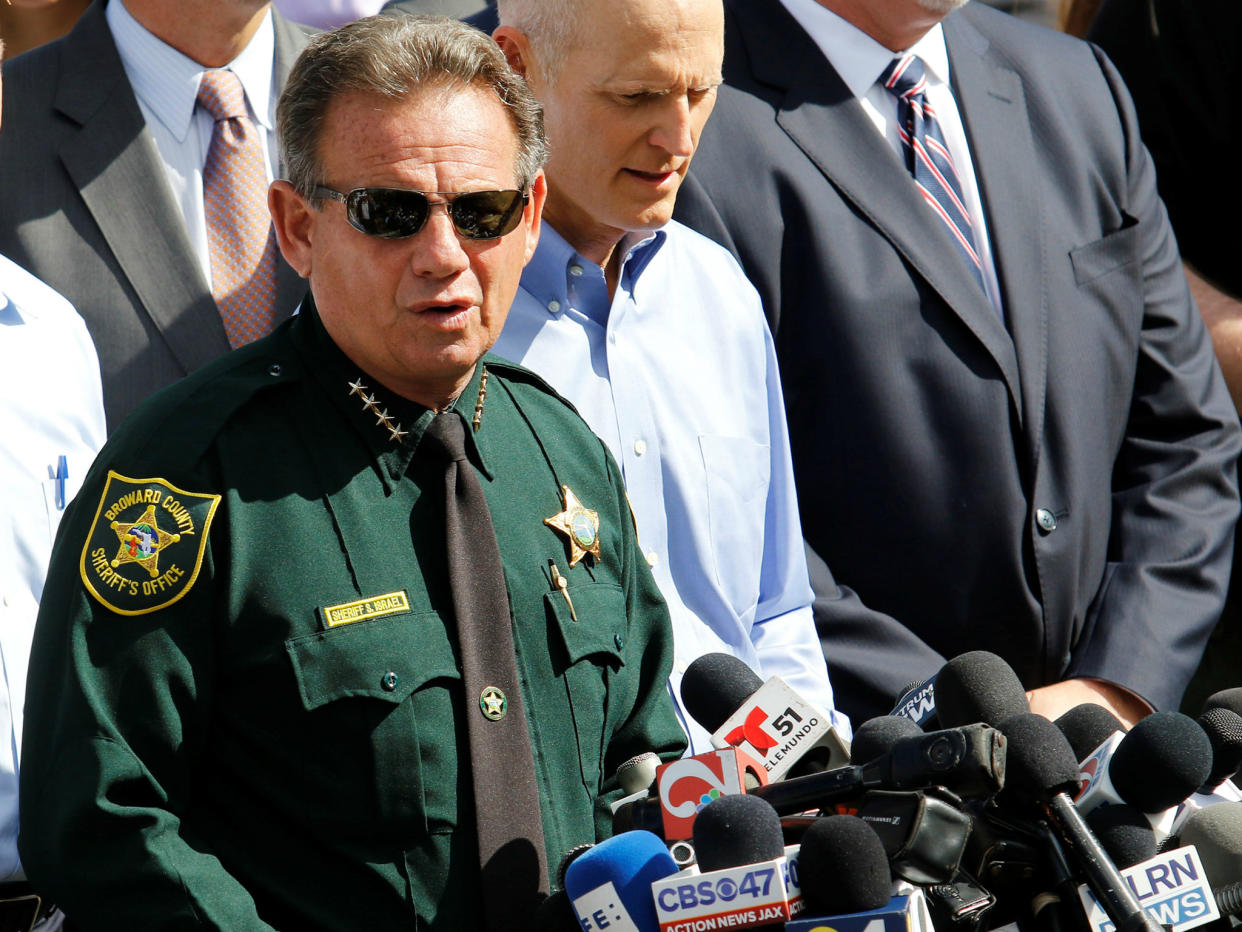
point(240, 239)
point(502, 765)
point(927, 156)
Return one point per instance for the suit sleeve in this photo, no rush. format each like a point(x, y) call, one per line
point(1175, 499)
point(117, 707)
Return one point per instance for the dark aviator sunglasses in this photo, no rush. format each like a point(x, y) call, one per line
point(391, 213)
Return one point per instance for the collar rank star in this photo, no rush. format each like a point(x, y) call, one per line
point(580, 525)
point(146, 544)
point(382, 417)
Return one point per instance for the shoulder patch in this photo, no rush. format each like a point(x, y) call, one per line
point(146, 544)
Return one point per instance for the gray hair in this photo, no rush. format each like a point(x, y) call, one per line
point(550, 24)
point(394, 57)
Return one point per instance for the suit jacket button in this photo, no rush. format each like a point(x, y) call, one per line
point(1046, 520)
point(389, 682)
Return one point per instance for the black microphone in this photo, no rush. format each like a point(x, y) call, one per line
point(736, 830)
point(978, 687)
point(1230, 699)
point(1163, 759)
point(1087, 726)
point(715, 686)
point(924, 832)
point(1216, 833)
point(1224, 730)
point(1125, 833)
point(917, 702)
point(843, 867)
point(876, 736)
point(1043, 771)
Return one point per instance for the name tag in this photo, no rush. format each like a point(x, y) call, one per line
point(377, 606)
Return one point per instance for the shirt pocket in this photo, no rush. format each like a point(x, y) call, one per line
point(593, 636)
point(381, 699)
point(737, 471)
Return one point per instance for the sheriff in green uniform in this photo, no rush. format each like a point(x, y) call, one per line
point(246, 706)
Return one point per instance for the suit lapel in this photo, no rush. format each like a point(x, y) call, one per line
point(116, 168)
point(823, 119)
point(993, 107)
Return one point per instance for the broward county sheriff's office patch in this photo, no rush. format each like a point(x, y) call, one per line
point(146, 544)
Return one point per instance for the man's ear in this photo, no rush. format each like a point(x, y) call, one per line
point(516, 46)
point(293, 220)
point(534, 213)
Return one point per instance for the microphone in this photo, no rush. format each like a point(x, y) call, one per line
point(1161, 761)
point(610, 885)
point(555, 914)
point(1087, 726)
point(1224, 730)
point(924, 833)
point(1124, 832)
point(978, 686)
point(771, 721)
point(843, 867)
point(1230, 699)
point(917, 703)
point(744, 879)
point(1216, 833)
point(637, 774)
point(685, 786)
point(877, 736)
point(1042, 770)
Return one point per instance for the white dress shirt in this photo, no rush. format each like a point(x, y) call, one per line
point(677, 374)
point(51, 405)
point(166, 85)
point(860, 60)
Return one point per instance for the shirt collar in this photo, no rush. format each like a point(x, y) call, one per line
point(166, 81)
point(854, 55)
point(362, 401)
point(547, 275)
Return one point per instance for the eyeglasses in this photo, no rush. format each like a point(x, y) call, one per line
point(391, 213)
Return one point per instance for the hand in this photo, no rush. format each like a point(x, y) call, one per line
point(1058, 698)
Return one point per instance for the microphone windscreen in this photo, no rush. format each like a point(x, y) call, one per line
point(1163, 759)
point(574, 853)
point(1230, 699)
point(735, 830)
point(876, 737)
point(978, 687)
point(1039, 761)
point(842, 867)
point(1224, 730)
point(1216, 833)
point(638, 773)
point(631, 862)
point(1124, 832)
point(714, 686)
point(1087, 726)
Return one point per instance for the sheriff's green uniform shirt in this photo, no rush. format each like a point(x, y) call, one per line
point(245, 706)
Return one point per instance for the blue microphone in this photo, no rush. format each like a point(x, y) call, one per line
point(610, 885)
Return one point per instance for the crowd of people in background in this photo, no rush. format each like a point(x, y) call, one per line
point(421, 396)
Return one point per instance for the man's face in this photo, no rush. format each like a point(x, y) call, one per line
point(624, 109)
point(416, 313)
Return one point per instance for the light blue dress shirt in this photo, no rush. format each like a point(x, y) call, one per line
point(51, 406)
point(166, 84)
point(677, 373)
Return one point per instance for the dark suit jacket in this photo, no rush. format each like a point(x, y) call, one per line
point(929, 439)
point(84, 205)
point(457, 9)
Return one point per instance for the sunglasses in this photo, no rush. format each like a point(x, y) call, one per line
point(391, 213)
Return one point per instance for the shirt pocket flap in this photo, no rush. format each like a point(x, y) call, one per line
point(385, 659)
point(600, 625)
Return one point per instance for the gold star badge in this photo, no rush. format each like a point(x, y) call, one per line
point(142, 541)
point(493, 703)
point(580, 525)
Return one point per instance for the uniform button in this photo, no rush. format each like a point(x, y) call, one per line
point(1046, 520)
point(640, 447)
point(652, 558)
point(575, 271)
point(554, 307)
point(274, 369)
point(389, 681)
point(612, 338)
point(619, 641)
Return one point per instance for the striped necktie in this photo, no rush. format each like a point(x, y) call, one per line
point(927, 156)
point(240, 239)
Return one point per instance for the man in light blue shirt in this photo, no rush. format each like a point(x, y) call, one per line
point(654, 332)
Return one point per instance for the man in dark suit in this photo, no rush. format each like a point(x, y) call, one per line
point(86, 203)
point(459, 9)
point(1025, 447)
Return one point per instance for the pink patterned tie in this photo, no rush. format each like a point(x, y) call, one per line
point(239, 231)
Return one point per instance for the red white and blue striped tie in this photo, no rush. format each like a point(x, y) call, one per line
point(927, 156)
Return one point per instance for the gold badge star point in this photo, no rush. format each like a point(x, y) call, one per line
point(580, 525)
point(357, 388)
point(141, 542)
